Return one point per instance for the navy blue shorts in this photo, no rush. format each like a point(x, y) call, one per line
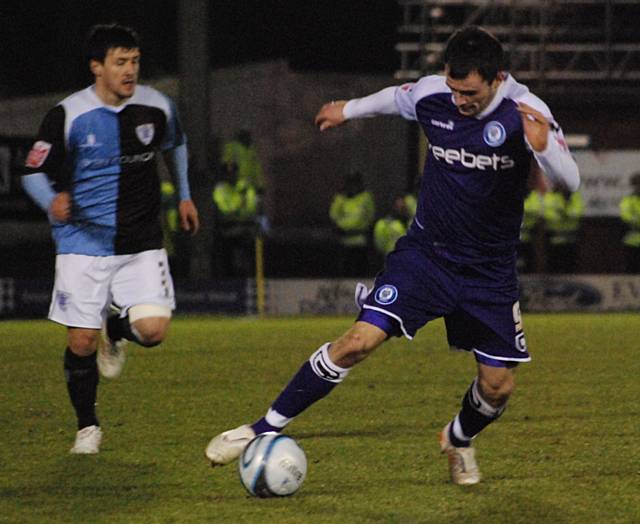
point(479, 303)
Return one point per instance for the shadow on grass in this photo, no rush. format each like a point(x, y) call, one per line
point(379, 431)
point(80, 486)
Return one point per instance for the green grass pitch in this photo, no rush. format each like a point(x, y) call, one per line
point(566, 449)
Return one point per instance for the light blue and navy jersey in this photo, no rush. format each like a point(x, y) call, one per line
point(106, 157)
point(470, 205)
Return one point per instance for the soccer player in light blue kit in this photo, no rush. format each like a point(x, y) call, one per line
point(458, 260)
point(93, 170)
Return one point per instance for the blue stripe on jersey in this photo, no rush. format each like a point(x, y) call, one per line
point(95, 136)
point(84, 239)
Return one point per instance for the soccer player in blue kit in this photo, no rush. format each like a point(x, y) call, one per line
point(458, 260)
point(93, 169)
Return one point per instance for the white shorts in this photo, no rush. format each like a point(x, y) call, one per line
point(85, 286)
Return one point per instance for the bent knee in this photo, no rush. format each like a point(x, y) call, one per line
point(82, 342)
point(497, 390)
point(355, 345)
point(150, 331)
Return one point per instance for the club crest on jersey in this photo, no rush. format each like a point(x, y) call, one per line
point(90, 141)
point(145, 133)
point(38, 154)
point(494, 134)
point(386, 295)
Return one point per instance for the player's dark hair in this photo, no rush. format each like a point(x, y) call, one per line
point(473, 49)
point(103, 37)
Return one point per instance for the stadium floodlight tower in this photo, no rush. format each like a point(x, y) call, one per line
point(553, 45)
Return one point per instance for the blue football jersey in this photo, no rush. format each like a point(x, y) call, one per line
point(474, 183)
point(106, 157)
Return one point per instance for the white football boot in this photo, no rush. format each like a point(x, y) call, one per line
point(87, 441)
point(229, 445)
point(463, 468)
point(111, 355)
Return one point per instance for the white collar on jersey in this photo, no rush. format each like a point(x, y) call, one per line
point(116, 109)
point(503, 88)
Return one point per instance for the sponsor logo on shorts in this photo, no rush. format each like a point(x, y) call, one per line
point(63, 299)
point(386, 295)
point(494, 134)
point(38, 154)
point(145, 133)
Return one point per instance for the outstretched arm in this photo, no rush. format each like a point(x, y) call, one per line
point(331, 115)
point(338, 112)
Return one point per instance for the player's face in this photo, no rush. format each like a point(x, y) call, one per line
point(472, 94)
point(117, 77)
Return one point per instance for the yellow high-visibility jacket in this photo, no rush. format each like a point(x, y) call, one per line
point(353, 216)
point(246, 159)
point(533, 215)
point(630, 215)
point(562, 216)
point(386, 233)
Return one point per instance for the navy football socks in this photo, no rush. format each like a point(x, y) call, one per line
point(475, 415)
point(81, 374)
point(313, 381)
point(119, 328)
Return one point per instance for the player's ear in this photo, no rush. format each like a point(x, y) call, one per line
point(95, 66)
point(498, 79)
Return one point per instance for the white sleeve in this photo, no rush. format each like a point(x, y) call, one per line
point(557, 162)
point(380, 103)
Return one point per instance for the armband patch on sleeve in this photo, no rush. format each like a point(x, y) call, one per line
point(38, 154)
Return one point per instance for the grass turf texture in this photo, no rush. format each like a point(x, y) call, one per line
point(565, 450)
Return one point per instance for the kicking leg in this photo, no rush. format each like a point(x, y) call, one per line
point(326, 368)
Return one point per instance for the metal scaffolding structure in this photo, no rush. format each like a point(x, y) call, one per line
point(551, 44)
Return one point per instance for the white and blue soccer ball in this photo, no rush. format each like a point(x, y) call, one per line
point(272, 465)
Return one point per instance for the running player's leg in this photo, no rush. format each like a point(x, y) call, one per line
point(79, 294)
point(145, 324)
point(143, 288)
point(82, 378)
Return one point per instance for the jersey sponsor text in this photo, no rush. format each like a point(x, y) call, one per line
point(481, 162)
